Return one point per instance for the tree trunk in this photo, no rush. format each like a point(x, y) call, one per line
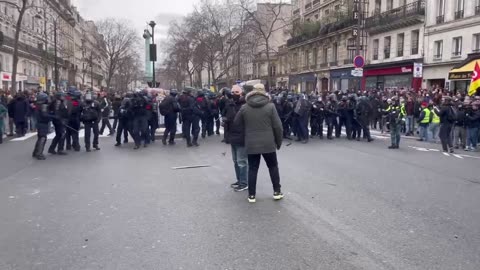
point(15, 45)
point(269, 78)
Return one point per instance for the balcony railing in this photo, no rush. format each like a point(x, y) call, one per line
point(294, 69)
point(323, 65)
point(440, 19)
point(458, 14)
point(375, 54)
point(333, 63)
point(313, 66)
point(476, 50)
point(309, 5)
point(315, 2)
point(400, 17)
point(348, 61)
point(323, 31)
point(477, 10)
point(296, 12)
point(437, 57)
point(414, 50)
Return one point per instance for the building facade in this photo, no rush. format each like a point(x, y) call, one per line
point(395, 44)
point(37, 45)
point(324, 44)
point(452, 36)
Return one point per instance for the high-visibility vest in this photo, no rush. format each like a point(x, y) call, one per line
point(426, 118)
point(436, 118)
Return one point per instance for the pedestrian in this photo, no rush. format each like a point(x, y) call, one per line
point(460, 130)
point(170, 108)
point(105, 108)
point(447, 116)
point(116, 103)
point(20, 113)
point(236, 138)
point(424, 121)
point(409, 119)
point(263, 136)
point(473, 125)
point(434, 126)
point(11, 109)
point(395, 117)
point(3, 113)
point(91, 115)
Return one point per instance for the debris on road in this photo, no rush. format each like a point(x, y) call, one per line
point(190, 167)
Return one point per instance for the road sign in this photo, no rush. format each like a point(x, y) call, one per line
point(354, 47)
point(358, 72)
point(358, 61)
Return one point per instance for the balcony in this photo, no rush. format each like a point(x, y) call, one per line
point(313, 66)
point(348, 61)
point(414, 50)
point(477, 10)
point(323, 65)
point(294, 69)
point(308, 6)
point(440, 19)
point(476, 50)
point(375, 54)
point(323, 30)
point(316, 2)
point(400, 51)
point(333, 63)
point(296, 12)
point(404, 16)
point(458, 14)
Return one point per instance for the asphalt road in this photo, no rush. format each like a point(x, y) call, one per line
point(348, 205)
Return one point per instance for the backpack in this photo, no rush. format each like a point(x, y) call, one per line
point(164, 106)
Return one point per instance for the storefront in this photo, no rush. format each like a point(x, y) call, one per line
point(342, 80)
point(32, 83)
point(391, 77)
point(7, 81)
point(436, 76)
point(282, 82)
point(461, 75)
point(303, 82)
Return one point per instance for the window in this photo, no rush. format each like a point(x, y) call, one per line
point(316, 16)
point(375, 49)
point(415, 40)
point(327, 12)
point(477, 8)
point(351, 53)
point(402, 3)
point(389, 4)
point(335, 52)
point(457, 47)
point(387, 41)
point(400, 43)
point(438, 49)
point(306, 59)
point(378, 6)
point(459, 9)
point(337, 7)
point(325, 56)
point(441, 11)
point(476, 43)
point(315, 56)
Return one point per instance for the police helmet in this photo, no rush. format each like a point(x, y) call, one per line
point(173, 92)
point(42, 97)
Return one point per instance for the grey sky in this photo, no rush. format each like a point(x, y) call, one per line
point(137, 11)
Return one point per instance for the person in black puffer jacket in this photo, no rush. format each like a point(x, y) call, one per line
point(235, 135)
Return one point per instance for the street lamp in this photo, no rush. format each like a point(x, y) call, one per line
point(153, 52)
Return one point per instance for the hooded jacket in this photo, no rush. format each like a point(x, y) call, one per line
point(263, 127)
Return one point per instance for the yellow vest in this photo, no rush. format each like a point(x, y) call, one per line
point(436, 118)
point(426, 118)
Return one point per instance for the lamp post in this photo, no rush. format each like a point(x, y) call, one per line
point(91, 71)
point(153, 53)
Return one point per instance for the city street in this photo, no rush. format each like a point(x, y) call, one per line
point(347, 205)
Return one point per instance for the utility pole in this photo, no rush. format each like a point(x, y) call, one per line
point(56, 53)
point(153, 53)
point(91, 71)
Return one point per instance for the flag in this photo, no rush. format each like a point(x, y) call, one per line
point(475, 84)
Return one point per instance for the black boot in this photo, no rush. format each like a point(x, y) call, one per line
point(195, 142)
point(164, 140)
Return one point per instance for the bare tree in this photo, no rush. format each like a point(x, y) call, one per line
point(116, 41)
point(21, 6)
point(264, 23)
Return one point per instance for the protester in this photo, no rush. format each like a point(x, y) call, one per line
point(263, 136)
point(3, 113)
point(447, 116)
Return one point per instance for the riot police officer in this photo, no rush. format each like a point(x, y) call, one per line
point(91, 115)
point(203, 104)
point(153, 122)
point(169, 108)
point(363, 114)
point(75, 108)
point(139, 123)
point(125, 116)
point(58, 109)
point(331, 115)
point(189, 114)
point(43, 121)
point(318, 113)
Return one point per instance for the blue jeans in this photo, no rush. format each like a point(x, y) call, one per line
point(434, 128)
point(395, 134)
point(409, 123)
point(423, 132)
point(472, 137)
point(240, 162)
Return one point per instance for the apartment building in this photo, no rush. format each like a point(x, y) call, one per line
point(452, 43)
point(323, 45)
point(36, 45)
point(395, 44)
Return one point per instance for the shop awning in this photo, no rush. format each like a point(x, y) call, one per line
point(464, 71)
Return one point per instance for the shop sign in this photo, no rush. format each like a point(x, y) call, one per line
point(417, 70)
point(460, 76)
point(406, 70)
point(8, 77)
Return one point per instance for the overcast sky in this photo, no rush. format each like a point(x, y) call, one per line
point(138, 11)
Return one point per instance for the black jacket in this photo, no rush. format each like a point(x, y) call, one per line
point(234, 132)
point(444, 112)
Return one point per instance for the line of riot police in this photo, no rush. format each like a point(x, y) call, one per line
point(298, 111)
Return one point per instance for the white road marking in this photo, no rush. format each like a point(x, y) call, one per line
point(446, 154)
point(24, 138)
point(458, 156)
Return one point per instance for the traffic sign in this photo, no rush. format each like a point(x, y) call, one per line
point(358, 72)
point(358, 61)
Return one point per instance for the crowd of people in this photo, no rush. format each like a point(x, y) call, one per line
point(255, 121)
